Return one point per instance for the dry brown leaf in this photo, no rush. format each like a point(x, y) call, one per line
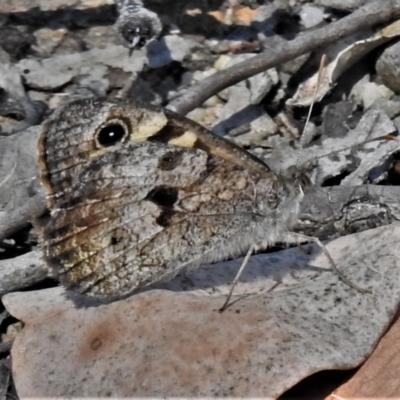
point(378, 377)
point(342, 56)
point(175, 343)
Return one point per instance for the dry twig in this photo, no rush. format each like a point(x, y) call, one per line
point(373, 13)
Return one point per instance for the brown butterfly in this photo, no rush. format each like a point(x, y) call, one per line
point(137, 193)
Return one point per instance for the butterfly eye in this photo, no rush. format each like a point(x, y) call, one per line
point(111, 134)
point(305, 182)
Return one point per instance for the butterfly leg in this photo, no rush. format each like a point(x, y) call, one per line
point(298, 237)
point(252, 248)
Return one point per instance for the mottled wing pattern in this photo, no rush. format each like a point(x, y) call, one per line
point(136, 194)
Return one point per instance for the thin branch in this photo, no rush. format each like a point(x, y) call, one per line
point(6, 347)
point(17, 219)
point(11, 82)
point(373, 13)
point(22, 272)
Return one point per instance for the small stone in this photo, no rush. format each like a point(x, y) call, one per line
point(198, 115)
point(169, 48)
point(372, 92)
point(388, 66)
point(198, 76)
point(48, 40)
point(222, 62)
point(212, 101)
point(390, 107)
point(345, 5)
point(311, 15)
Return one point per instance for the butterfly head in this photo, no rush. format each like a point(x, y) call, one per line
point(86, 129)
point(297, 181)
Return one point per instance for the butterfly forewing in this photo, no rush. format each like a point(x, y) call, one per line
point(136, 212)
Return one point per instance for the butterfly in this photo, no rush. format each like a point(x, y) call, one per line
point(137, 193)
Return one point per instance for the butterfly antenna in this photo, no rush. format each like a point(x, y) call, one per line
point(319, 77)
point(313, 239)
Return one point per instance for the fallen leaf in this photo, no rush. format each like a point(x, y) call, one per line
point(176, 343)
point(341, 56)
point(378, 377)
